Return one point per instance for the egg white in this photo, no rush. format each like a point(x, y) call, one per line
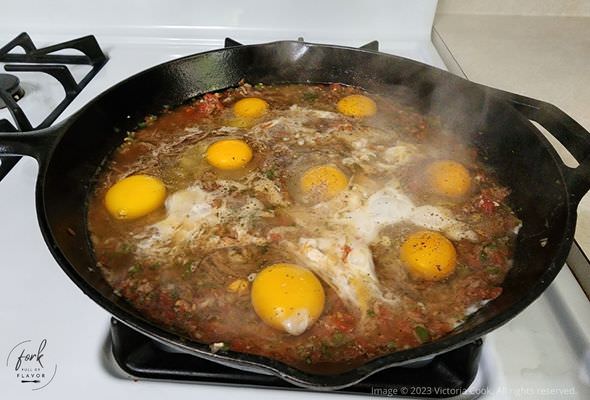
point(191, 217)
point(347, 225)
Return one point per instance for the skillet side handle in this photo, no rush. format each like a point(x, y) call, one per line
point(566, 130)
point(36, 144)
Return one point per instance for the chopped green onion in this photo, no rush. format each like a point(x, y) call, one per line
point(338, 338)
point(493, 270)
point(133, 269)
point(422, 333)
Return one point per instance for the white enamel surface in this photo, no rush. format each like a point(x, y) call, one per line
point(256, 19)
point(545, 347)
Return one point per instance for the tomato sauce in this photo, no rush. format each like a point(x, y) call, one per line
point(186, 286)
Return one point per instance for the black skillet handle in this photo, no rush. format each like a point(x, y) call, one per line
point(570, 134)
point(35, 144)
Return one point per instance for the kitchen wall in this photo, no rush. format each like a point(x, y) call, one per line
point(570, 8)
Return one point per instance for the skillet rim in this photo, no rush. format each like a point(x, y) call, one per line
point(248, 361)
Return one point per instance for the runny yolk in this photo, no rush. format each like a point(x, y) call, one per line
point(229, 154)
point(428, 255)
point(448, 178)
point(135, 196)
point(250, 107)
point(357, 105)
point(287, 297)
point(323, 182)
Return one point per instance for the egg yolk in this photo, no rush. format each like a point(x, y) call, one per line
point(250, 107)
point(229, 154)
point(324, 181)
point(448, 178)
point(135, 196)
point(287, 297)
point(428, 255)
point(357, 105)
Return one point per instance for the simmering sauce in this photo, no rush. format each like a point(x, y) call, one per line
point(318, 225)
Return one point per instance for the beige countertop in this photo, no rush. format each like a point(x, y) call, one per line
point(547, 58)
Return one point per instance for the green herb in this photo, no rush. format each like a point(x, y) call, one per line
point(339, 338)
point(142, 125)
point(259, 86)
point(493, 270)
point(483, 256)
point(133, 269)
point(491, 246)
point(302, 351)
point(270, 174)
point(326, 350)
point(422, 333)
point(310, 96)
point(391, 345)
point(371, 313)
point(125, 248)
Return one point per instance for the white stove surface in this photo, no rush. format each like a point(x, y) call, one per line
point(542, 353)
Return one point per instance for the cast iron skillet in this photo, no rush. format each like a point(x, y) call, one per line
point(545, 193)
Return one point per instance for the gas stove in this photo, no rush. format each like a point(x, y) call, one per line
point(72, 344)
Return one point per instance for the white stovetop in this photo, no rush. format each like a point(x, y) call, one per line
point(544, 349)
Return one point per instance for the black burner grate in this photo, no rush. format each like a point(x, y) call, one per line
point(43, 60)
point(447, 375)
point(11, 85)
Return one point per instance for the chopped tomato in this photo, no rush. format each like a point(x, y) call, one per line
point(487, 205)
point(208, 105)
